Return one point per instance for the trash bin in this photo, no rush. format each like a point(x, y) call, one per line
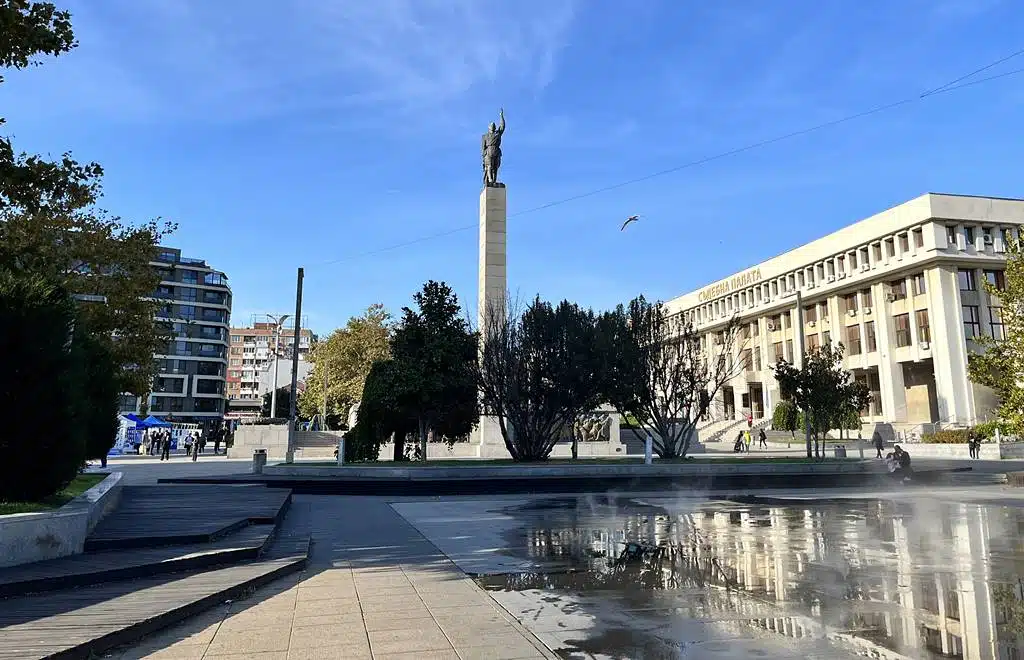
point(259, 459)
point(840, 451)
point(339, 451)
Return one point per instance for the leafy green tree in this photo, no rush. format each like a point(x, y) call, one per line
point(49, 224)
point(1000, 365)
point(41, 446)
point(786, 417)
point(347, 355)
point(382, 413)
point(822, 390)
point(662, 375)
point(436, 351)
point(97, 392)
point(284, 403)
point(580, 368)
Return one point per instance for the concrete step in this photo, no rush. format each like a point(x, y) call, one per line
point(113, 565)
point(84, 623)
point(153, 516)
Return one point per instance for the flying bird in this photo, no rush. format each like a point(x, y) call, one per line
point(632, 218)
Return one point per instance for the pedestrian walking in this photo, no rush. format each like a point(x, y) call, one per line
point(762, 439)
point(165, 446)
point(217, 435)
point(747, 439)
point(876, 439)
point(738, 445)
point(974, 443)
point(195, 448)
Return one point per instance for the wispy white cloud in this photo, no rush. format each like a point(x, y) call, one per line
point(243, 59)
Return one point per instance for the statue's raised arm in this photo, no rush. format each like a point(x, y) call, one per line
point(501, 122)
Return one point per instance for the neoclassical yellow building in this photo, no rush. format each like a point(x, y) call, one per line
point(902, 291)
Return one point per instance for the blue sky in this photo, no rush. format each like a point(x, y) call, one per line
point(280, 134)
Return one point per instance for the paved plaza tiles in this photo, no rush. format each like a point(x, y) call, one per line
point(374, 588)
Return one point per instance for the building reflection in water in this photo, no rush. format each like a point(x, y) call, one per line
point(922, 579)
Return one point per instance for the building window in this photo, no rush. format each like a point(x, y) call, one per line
point(924, 329)
point(810, 314)
point(996, 315)
point(789, 349)
point(918, 238)
point(746, 359)
point(869, 334)
point(850, 302)
point(853, 339)
point(813, 341)
point(853, 261)
point(186, 312)
point(757, 358)
point(951, 235)
point(187, 294)
point(904, 243)
point(919, 285)
point(972, 321)
point(780, 354)
point(969, 235)
point(877, 250)
point(996, 278)
point(236, 339)
point(755, 329)
point(890, 248)
point(898, 289)
point(901, 322)
point(966, 280)
point(826, 337)
point(866, 297)
point(167, 256)
point(189, 277)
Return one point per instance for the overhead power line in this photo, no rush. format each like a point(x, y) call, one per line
point(951, 86)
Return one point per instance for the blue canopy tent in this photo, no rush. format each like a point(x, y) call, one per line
point(155, 422)
point(131, 417)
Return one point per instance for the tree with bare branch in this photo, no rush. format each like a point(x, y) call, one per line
point(537, 373)
point(662, 373)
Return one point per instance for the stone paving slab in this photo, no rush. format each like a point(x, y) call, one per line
point(374, 588)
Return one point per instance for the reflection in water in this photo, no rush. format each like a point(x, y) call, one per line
point(920, 579)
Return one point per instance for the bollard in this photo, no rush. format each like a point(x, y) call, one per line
point(648, 449)
point(341, 450)
point(259, 460)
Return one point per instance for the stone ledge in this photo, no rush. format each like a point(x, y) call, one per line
point(471, 472)
point(31, 537)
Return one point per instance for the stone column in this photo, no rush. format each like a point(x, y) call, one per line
point(492, 287)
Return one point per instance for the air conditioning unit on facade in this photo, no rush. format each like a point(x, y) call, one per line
point(831, 278)
point(812, 323)
point(810, 285)
point(891, 297)
point(864, 268)
point(771, 326)
point(851, 312)
point(924, 346)
point(987, 239)
point(867, 310)
point(841, 275)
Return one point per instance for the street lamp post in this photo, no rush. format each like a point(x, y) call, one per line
point(278, 322)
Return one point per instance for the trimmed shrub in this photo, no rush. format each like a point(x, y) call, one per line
point(786, 417)
point(97, 395)
point(41, 446)
point(987, 430)
point(950, 437)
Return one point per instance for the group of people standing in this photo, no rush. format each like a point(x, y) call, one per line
point(158, 441)
point(746, 438)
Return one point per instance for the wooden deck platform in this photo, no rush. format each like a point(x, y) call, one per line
point(81, 623)
point(91, 568)
point(161, 515)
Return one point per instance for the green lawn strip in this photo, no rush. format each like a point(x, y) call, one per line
point(79, 485)
point(632, 460)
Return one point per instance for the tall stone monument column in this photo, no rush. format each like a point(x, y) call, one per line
point(492, 286)
point(492, 280)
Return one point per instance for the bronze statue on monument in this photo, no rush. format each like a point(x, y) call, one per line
point(490, 145)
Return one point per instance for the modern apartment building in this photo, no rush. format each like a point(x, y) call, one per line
point(251, 358)
point(901, 290)
point(190, 385)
